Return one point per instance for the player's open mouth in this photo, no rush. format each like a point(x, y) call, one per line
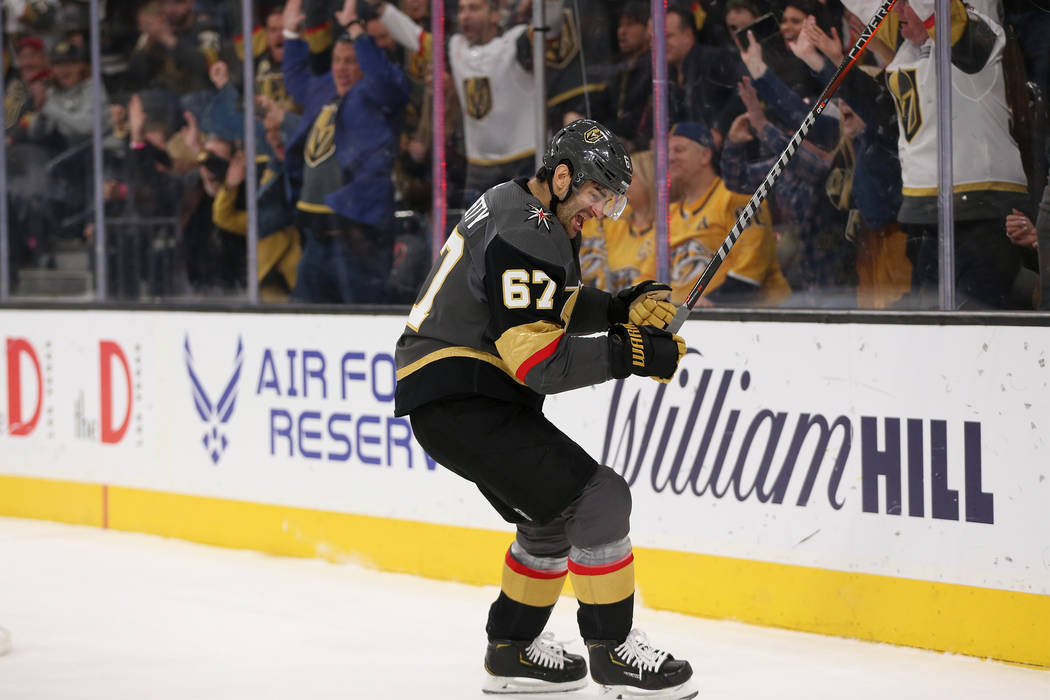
point(577, 221)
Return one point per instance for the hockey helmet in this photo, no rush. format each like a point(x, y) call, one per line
point(592, 153)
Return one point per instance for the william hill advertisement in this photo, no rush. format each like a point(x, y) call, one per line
point(908, 451)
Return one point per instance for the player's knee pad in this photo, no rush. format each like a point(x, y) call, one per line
point(602, 513)
point(547, 541)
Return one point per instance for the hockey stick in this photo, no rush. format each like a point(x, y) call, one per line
point(749, 211)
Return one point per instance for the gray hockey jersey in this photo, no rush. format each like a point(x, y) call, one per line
point(502, 312)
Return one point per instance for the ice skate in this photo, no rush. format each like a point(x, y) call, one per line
point(636, 669)
point(539, 666)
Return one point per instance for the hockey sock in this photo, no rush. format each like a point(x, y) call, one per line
point(603, 580)
point(530, 588)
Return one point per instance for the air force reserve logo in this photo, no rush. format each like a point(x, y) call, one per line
point(217, 414)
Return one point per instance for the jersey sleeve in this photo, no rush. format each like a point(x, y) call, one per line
point(531, 308)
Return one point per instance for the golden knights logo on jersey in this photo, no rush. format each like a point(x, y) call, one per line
point(15, 101)
point(269, 82)
point(593, 265)
point(688, 260)
point(562, 50)
point(478, 95)
point(903, 87)
point(209, 41)
point(320, 145)
point(623, 277)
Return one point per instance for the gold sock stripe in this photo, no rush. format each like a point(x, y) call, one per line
point(536, 587)
point(609, 586)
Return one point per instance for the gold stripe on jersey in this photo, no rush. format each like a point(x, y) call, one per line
point(501, 161)
point(575, 92)
point(258, 43)
point(958, 18)
point(453, 351)
point(319, 38)
point(519, 344)
point(967, 187)
point(314, 208)
point(569, 307)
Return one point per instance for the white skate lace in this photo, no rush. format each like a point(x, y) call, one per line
point(547, 651)
point(636, 650)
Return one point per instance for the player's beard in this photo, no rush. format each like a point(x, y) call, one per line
point(573, 223)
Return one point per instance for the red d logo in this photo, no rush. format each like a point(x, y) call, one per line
point(16, 349)
point(107, 350)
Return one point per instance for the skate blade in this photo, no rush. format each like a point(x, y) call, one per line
point(685, 691)
point(511, 684)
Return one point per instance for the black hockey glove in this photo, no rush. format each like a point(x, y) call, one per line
point(645, 351)
point(644, 304)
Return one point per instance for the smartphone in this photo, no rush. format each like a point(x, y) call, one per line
point(215, 165)
point(764, 28)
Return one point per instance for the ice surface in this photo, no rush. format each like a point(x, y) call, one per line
point(119, 616)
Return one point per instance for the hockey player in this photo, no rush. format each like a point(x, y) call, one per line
point(499, 324)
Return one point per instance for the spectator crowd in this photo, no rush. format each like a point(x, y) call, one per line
point(344, 99)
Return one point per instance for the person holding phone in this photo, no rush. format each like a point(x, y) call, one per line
point(703, 78)
point(774, 37)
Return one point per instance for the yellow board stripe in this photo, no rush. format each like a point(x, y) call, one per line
point(62, 501)
point(983, 622)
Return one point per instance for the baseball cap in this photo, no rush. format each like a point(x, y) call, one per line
point(694, 131)
point(636, 10)
point(32, 42)
point(64, 52)
point(749, 5)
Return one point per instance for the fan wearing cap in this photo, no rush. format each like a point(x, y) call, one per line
point(26, 84)
point(501, 321)
point(700, 221)
point(68, 112)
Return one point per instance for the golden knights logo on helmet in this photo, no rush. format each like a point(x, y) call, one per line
point(593, 135)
